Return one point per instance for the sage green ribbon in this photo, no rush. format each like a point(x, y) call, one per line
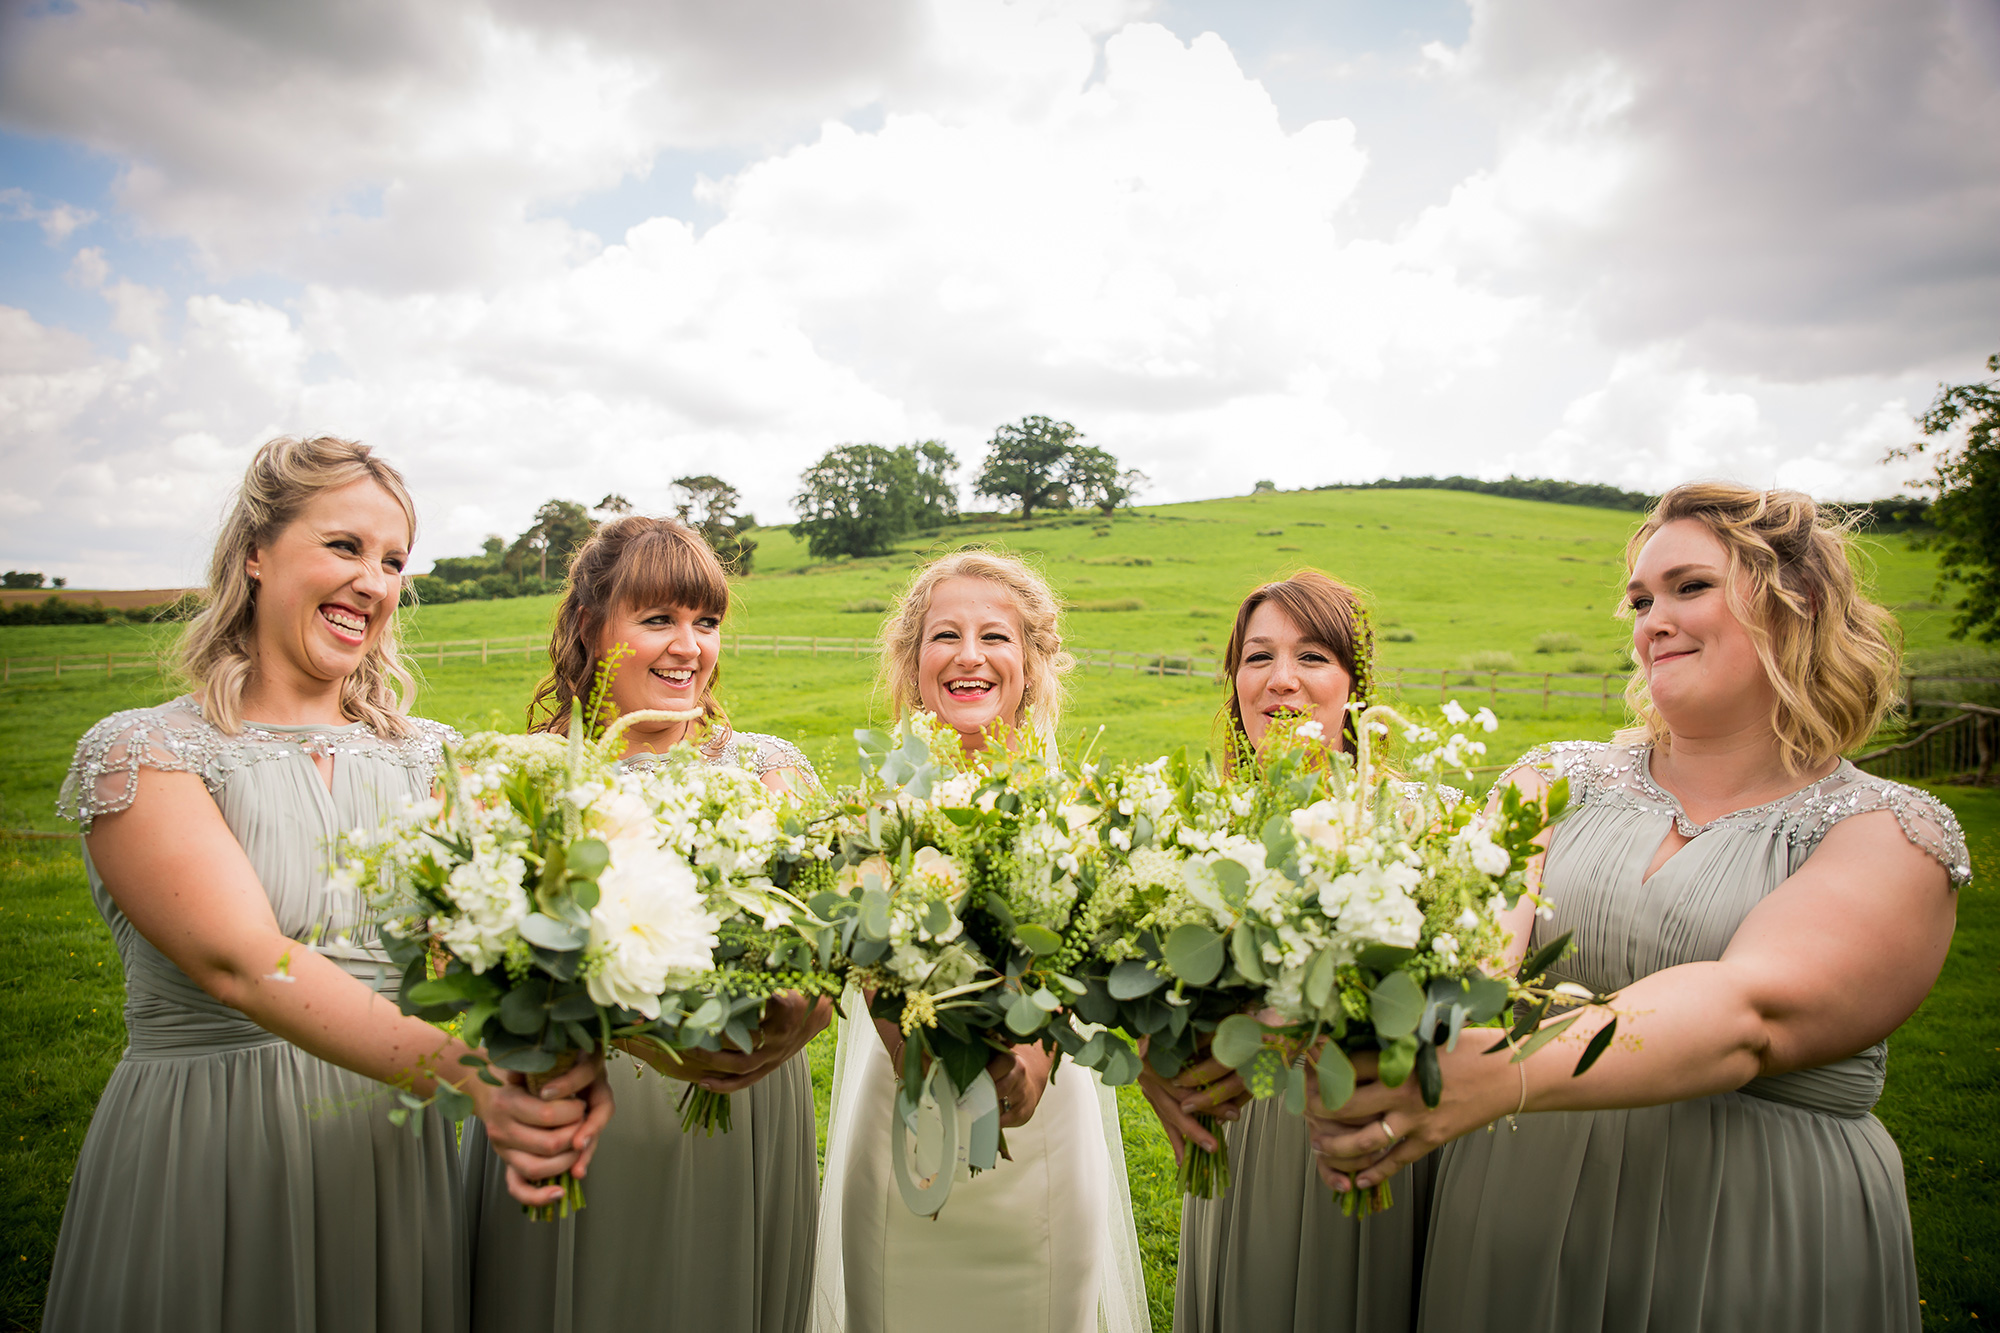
point(926, 1152)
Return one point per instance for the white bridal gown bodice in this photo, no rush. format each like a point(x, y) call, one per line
point(1042, 1243)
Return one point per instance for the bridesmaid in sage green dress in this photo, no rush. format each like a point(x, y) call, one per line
point(1768, 915)
point(240, 1171)
point(1275, 1252)
point(681, 1230)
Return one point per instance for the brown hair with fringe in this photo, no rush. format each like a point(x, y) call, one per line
point(215, 659)
point(629, 562)
point(1831, 654)
point(1329, 613)
point(1043, 661)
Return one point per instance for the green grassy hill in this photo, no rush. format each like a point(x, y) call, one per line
point(1449, 574)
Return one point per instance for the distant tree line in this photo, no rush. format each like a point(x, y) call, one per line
point(1593, 494)
point(21, 578)
point(55, 611)
point(1898, 514)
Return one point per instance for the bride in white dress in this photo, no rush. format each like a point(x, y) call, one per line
point(1044, 1242)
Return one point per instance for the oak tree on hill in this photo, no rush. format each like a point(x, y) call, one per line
point(1030, 463)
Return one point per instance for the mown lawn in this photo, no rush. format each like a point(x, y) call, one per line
point(1460, 574)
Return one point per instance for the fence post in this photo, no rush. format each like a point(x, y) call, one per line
point(482, 652)
point(1604, 697)
point(815, 645)
point(107, 666)
point(7, 672)
point(1545, 694)
point(58, 666)
point(1493, 690)
point(1444, 679)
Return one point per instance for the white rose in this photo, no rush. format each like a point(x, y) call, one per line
point(649, 926)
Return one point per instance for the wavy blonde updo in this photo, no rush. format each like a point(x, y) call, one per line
point(629, 562)
point(1043, 661)
point(215, 648)
point(1831, 654)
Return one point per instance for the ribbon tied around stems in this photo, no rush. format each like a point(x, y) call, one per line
point(929, 1143)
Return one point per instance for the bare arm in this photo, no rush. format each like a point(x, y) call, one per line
point(1830, 962)
point(178, 873)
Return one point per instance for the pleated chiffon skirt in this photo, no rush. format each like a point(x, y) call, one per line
point(1276, 1253)
point(257, 1189)
point(680, 1231)
point(1728, 1212)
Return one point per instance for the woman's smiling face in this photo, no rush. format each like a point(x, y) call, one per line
point(329, 581)
point(673, 656)
point(1702, 669)
point(970, 660)
point(1282, 670)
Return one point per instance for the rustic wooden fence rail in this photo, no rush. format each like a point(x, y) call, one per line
point(1606, 689)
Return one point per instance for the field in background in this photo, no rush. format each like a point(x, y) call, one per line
point(1450, 575)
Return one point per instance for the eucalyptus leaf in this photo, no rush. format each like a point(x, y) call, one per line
point(1393, 1065)
point(1395, 1005)
point(1237, 1040)
point(521, 1013)
point(1133, 978)
point(527, 1060)
point(1142, 832)
point(1045, 1000)
point(575, 1007)
point(1320, 975)
point(937, 917)
point(1234, 881)
point(1244, 952)
point(875, 914)
point(551, 934)
point(1279, 840)
point(1485, 998)
point(587, 858)
point(1023, 1017)
point(1384, 958)
point(1195, 953)
point(1295, 1091)
point(1336, 1077)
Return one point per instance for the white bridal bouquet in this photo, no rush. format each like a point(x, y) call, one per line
point(548, 902)
point(962, 900)
point(1306, 907)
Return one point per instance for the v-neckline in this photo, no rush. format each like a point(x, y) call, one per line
point(1682, 824)
point(294, 730)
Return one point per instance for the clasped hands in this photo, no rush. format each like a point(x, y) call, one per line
point(539, 1136)
point(1020, 1074)
point(1380, 1130)
point(790, 1021)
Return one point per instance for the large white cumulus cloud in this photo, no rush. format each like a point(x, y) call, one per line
point(944, 214)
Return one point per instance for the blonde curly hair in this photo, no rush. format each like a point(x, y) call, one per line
point(1043, 661)
point(1831, 654)
point(215, 660)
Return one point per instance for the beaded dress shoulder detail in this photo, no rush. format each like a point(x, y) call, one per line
point(175, 737)
point(1604, 773)
point(752, 751)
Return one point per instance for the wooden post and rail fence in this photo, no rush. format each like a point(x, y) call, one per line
point(1946, 735)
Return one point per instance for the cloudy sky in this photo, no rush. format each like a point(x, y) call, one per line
point(533, 250)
